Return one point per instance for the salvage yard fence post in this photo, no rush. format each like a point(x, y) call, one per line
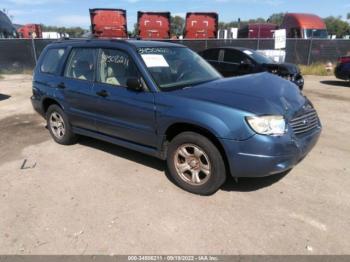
point(310, 51)
point(34, 51)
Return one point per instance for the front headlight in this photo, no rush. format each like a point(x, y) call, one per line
point(267, 125)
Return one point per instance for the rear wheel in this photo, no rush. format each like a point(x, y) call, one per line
point(195, 164)
point(59, 126)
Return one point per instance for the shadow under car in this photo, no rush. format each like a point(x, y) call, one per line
point(341, 83)
point(243, 184)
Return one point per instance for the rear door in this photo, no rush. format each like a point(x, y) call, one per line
point(123, 113)
point(47, 76)
point(212, 56)
point(78, 81)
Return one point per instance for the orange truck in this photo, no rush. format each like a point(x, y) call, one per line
point(153, 25)
point(108, 23)
point(306, 26)
point(30, 31)
point(201, 25)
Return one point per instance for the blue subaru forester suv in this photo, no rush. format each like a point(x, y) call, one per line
point(164, 100)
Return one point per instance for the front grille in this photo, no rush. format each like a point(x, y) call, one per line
point(305, 122)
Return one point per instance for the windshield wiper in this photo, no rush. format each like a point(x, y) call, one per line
point(187, 85)
point(200, 82)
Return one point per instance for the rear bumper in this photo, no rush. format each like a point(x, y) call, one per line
point(37, 106)
point(262, 156)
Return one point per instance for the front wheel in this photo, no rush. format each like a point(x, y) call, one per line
point(196, 164)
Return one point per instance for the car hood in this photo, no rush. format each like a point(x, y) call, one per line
point(261, 93)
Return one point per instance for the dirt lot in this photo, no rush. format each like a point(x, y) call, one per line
point(98, 198)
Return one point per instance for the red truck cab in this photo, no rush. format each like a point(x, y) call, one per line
point(304, 26)
point(30, 31)
point(153, 25)
point(201, 25)
point(257, 30)
point(108, 23)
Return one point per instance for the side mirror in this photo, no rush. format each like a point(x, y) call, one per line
point(134, 84)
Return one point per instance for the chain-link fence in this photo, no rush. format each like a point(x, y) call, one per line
point(298, 51)
point(18, 55)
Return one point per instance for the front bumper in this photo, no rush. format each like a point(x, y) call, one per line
point(299, 81)
point(342, 72)
point(262, 156)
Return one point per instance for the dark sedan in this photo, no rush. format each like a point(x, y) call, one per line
point(342, 71)
point(236, 61)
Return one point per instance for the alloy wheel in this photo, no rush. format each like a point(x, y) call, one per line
point(192, 164)
point(57, 125)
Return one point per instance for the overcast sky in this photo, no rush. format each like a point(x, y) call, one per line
point(75, 12)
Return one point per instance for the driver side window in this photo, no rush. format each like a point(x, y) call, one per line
point(115, 67)
point(81, 64)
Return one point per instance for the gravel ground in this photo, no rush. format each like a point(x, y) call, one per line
point(96, 198)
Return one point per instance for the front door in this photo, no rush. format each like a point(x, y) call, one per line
point(235, 63)
point(123, 113)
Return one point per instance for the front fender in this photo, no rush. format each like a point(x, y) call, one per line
point(221, 121)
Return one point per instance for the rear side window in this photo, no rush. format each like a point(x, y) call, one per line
point(52, 60)
point(233, 56)
point(211, 54)
point(81, 64)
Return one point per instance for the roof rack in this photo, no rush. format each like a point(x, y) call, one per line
point(91, 37)
point(59, 40)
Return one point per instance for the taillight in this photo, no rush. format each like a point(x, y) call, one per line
point(345, 59)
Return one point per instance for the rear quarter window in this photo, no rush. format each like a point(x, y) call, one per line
point(51, 61)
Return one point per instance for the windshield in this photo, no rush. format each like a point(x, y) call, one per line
point(316, 33)
point(258, 57)
point(177, 67)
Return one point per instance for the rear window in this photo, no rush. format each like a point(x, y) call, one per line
point(211, 54)
point(52, 60)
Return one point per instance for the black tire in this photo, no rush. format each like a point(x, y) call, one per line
point(211, 154)
point(68, 137)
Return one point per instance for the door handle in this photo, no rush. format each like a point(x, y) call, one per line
point(61, 86)
point(102, 93)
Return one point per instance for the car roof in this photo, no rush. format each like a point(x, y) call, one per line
point(231, 48)
point(108, 42)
